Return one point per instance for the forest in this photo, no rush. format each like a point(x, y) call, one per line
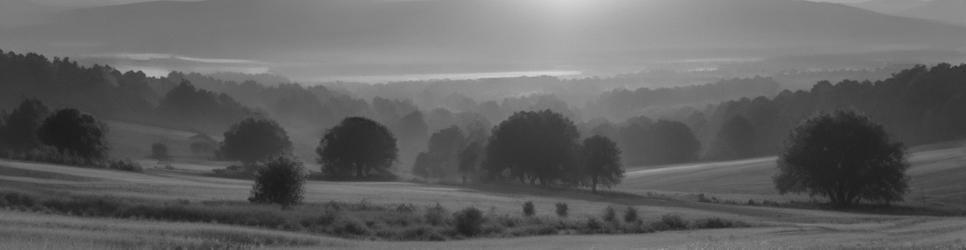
point(728, 119)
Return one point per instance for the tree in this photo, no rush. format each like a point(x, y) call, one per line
point(469, 159)
point(845, 157)
point(602, 162)
point(735, 140)
point(661, 142)
point(357, 145)
point(280, 182)
point(533, 146)
point(442, 159)
point(672, 142)
point(255, 139)
point(159, 151)
point(20, 130)
point(75, 133)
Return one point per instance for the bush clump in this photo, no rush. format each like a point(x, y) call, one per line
point(279, 182)
point(435, 215)
point(469, 221)
point(715, 222)
point(528, 209)
point(630, 214)
point(610, 214)
point(562, 209)
point(671, 222)
point(126, 165)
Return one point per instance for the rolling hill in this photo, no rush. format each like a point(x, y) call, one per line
point(946, 11)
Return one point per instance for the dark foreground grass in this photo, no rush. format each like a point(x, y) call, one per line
point(361, 220)
point(863, 208)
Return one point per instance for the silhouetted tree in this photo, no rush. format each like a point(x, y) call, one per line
point(424, 165)
point(533, 146)
point(843, 156)
point(75, 133)
point(20, 130)
point(469, 160)
point(601, 162)
point(735, 140)
point(159, 151)
point(255, 139)
point(357, 145)
point(661, 142)
point(442, 156)
point(280, 182)
point(190, 107)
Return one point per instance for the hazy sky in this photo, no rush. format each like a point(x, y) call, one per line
point(111, 2)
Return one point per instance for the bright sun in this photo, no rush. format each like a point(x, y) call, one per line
point(568, 6)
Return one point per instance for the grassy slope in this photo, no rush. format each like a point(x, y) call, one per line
point(937, 175)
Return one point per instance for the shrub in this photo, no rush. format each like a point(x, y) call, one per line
point(280, 182)
point(671, 222)
point(528, 209)
point(630, 215)
point(126, 165)
point(716, 222)
point(593, 225)
point(16, 200)
point(562, 209)
point(468, 221)
point(435, 215)
point(610, 214)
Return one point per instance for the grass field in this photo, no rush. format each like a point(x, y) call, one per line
point(937, 175)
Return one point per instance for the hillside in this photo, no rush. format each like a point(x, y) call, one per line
point(337, 37)
point(775, 227)
point(945, 11)
point(948, 11)
point(937, 176)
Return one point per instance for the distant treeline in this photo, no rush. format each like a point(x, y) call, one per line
point(711, 121)
point(920, 105)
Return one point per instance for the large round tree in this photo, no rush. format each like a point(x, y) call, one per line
point(76, 133)
point(845, 157)
point(255, 139)
point(357, 146)
point(533, 146)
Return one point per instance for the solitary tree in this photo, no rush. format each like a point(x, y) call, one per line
point(602, 162)
point(20, 130)
point(357, 145)
point(76, 133)
point(843, 156)
point(159, 151)
point(279, 182)
point(255, 139)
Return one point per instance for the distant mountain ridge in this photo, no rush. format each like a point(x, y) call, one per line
point(946, 11)
point(339, 36)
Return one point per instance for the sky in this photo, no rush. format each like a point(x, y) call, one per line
point(113, 2)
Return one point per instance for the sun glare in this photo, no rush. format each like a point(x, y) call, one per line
point(568, 6)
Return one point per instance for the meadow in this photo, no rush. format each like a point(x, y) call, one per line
point(654, 192)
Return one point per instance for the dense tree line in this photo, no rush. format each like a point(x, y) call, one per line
point(32, 132)
point(544, 147)
point(646, 142)
point(919, 105)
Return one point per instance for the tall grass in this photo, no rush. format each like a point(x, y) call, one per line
point(360, 220)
